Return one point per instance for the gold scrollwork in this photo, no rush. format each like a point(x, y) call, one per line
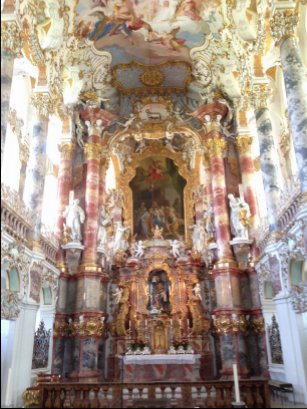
point(152, 77)
point(43, 103)
point(60, 328)
point(92, 327)
point(234, 324)
point(11, 39)
point(283, 23)
point(244, 143)
point(257, 324)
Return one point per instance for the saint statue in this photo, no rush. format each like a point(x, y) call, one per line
point(198, 236)
point(75, 216)
point(209, 221)
point(104, 221)
point(139, 249)
point(239, 218)
point(120, 240)
point(159, 288)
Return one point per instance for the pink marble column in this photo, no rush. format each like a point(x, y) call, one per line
point(216, 147)
point(243, 143)
point(93, 151)
point(64, 185)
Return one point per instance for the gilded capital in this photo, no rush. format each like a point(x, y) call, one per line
point(67, 149)
point(216, 146)
point(43, 103)
point(283, 24)
point(93, 150)
point(244, 143)
point(11, 39)
point(260, 95)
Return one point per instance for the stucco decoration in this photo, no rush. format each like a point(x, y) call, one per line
point(10, 302)
point(14, 256)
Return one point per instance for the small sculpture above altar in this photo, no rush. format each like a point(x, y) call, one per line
point(239, 216)
point(120, 239)
point(198, 236)
point(75, 217)
point(159, 287)
point(157, 232)
point(104, 221)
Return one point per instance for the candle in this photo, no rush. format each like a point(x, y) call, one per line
point(236, 382)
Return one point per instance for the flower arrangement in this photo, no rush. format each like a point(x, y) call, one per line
point(184, 344)
point(140, 344)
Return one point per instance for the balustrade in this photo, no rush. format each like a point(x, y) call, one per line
point(214, 394)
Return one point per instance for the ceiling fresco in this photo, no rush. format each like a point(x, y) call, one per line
point(147, 31)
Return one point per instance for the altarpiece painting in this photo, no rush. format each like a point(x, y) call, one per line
point(158, 198)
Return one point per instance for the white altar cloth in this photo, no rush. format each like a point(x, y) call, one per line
point(161, 359)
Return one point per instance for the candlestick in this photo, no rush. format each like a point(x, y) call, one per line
point(236, 382)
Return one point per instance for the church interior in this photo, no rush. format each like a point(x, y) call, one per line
point(153, 203)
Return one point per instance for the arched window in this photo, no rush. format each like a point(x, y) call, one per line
point(268, 290)
point(298, 272)
point(13, 276)
point(47, 295)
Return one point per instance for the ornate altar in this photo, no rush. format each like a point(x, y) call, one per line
point(160, 321)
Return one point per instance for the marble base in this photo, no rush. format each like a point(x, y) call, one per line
point(171, 368)
point(241, 248)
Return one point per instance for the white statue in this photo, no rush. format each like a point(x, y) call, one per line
point(197, 291)
point(117, 295)
point(120, 241)
point(198, 236)
point(81, 319)
point(75, 216)
point(176, 245)
point(209, 221)
point(104, 221)
point(139, 249)
point(240, 214)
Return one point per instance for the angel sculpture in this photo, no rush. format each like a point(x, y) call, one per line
point(176, 245)
point(139, 249)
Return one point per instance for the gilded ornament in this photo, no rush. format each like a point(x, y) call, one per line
point(93, 150)
point(11, 39)
point(24, 153)
point(31, 398)
point(152, 77)
point(43, 103)
point(216, 146)
point(244, 143)
point(257, 324)
point(260, 95)
point(257, 165)
point(283, 24)
point(67, 149)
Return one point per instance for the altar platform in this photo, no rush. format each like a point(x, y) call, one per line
point(161, 367)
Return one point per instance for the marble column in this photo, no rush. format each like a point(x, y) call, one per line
point(243, 143)
point(269, 161)
point(216, 147)
point(10, 49)
point(93, 152)
point(36, 171)
point(283, 25)
point(64, 185)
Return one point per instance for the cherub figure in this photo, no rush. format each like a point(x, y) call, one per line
point(157, 232)
point(197, 291)
point(176, 245)
point(139, 249)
